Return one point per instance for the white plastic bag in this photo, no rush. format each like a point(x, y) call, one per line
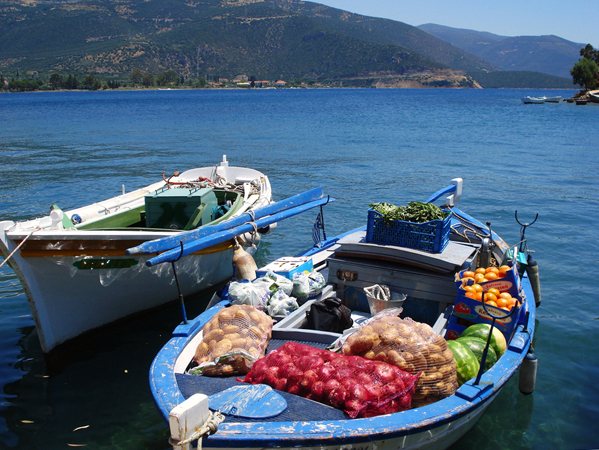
point(254, 294)
point(306, 285)
point(276, 282)
point(280, 304)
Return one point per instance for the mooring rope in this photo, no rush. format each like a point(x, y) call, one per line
point(210, 427)
point(19, 246)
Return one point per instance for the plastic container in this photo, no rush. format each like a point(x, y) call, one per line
point(377, 305)
point(430, 236)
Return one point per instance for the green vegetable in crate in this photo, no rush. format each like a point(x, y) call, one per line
point(481, 330)
point(416, 212)
point(466, 364)
point(477, 345)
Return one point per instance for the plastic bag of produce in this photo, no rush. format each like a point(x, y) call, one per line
point(275, 282)
point(280, 304)
point(360, 387)
point(253, 294)
point(306, 285)
point(413, 347)
point(233, 340)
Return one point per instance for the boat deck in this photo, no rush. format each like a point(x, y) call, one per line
point(299, 408)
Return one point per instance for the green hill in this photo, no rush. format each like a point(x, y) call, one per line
point(265, 39)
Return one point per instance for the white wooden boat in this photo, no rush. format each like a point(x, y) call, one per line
point(73, 265)
point(193, 404)
point(555, 99)
point(533, 100)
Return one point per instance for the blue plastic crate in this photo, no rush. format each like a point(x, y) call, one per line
point(430, 236)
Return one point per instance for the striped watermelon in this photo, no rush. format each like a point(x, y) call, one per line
point(477, 345)
point(466, 364)
point(481, 330)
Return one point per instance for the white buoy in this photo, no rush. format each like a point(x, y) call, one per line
point(528, 373)
point(244, 263)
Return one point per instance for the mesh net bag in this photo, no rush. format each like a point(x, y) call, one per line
point(233, 340)
point(413, 347)
point(360, 387)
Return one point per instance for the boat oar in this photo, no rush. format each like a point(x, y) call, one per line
point(208, 241)
point(171, 242)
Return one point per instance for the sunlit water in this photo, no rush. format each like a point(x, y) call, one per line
point(361, 146)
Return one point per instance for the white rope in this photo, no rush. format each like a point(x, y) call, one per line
point(379, 292)
point(210, 427)
point(19, 246)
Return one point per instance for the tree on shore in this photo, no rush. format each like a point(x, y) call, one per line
point(136, 77)
point(585, 72)
point(55, 81)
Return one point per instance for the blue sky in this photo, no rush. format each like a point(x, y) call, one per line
point(574, 20)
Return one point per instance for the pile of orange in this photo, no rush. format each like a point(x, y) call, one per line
point(492, 296)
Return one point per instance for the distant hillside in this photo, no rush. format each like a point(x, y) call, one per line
point(266, 39)
point(546, 54)
point(520, 80)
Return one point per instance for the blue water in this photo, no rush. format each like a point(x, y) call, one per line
point(361, 146)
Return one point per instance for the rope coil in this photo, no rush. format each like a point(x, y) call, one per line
point(210, 427)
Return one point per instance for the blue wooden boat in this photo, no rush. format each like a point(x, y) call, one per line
point(255, 416)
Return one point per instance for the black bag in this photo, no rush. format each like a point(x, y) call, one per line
point(328, 315)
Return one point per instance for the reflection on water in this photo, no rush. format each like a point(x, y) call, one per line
point(361, 146)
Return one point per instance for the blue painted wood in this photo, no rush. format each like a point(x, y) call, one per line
point(170, 242)
point(205, 242)
point(258, 433)
point(441, 192)
point(255, 401)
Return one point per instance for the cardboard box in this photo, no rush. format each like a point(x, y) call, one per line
point(471, 311)
point(510, 283)
point(287, 266)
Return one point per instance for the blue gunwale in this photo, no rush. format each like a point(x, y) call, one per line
point(467, 400)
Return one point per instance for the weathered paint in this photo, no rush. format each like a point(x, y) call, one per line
point(436, 425)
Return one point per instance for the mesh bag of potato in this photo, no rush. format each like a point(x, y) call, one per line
point(360, 387)
point(233, 340)
point(413, 347)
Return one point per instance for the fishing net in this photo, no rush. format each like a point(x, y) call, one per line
point(360, 387)
point(411, 346)
point(233, 340)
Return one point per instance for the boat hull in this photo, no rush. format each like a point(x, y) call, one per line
point(70, 295)
point(434, 426)
point(78, 276)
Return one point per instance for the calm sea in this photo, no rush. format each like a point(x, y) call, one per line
point(361, 146)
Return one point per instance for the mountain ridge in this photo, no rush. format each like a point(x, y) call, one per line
point(549, 54)
point(263, 39)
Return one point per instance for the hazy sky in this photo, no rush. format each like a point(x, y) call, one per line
point(574, 20)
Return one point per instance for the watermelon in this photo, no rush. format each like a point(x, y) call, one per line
point(466, 364)
point(477, 345)
point(481, 330)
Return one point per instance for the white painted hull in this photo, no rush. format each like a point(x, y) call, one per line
point(67, 302)
point(77, 280)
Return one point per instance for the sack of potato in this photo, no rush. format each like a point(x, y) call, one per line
point(233, 340)
point(413, 347)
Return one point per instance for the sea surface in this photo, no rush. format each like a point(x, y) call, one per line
point(361, 146)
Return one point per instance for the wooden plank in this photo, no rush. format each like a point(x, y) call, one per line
point(451, 259)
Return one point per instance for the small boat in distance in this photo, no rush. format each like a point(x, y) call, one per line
point(78, 274)
point(298, 405)
point(555, 99)
point(533, 100)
